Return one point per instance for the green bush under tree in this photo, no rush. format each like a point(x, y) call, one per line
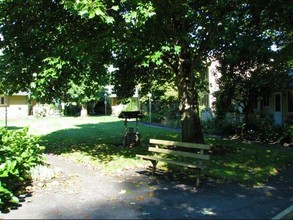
point(257, 128)
point(19, 152)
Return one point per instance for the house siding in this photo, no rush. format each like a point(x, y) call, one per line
point(213, 76)
point(287, 115)
point(17, 107)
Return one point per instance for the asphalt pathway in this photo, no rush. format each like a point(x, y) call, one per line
point(80, 192)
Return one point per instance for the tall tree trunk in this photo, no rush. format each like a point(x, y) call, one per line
point(83, 112)
point(189, 109)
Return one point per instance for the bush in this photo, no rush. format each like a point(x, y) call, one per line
point(72, 110)
point(221, 127)
point(264, 129)
point(44, 110)
point(19, 152)
point(164, 113)
point(257, 128)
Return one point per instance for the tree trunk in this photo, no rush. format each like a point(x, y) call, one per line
point(191, 127)
point(248, 109)
point(83, 112)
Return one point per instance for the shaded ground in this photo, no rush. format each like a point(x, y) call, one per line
point(79, 191)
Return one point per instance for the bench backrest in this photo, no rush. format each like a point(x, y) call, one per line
point(201, 147)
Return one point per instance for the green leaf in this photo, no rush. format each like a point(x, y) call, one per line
point(166, 48)
point(177, 49)
point(33, 85)
point(14, 199)
point(4, 173)
point(3, 190)
point(92, 14)
point(83, 12)
point(115, 7)
point(99, 12)
point(109, 20)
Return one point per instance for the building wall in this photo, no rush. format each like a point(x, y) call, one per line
point(17, 107)
point(287, 112)
point(213, 76)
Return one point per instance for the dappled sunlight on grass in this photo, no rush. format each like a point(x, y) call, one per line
point(98, 141)
point(249, 163)
point(107, 158)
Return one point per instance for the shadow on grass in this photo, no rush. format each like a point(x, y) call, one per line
point(101, 144)
point(101, 141)
point(13, 127)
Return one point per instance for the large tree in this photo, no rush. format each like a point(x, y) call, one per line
point(173, 44)
point(172, 40)
point(46, 48)
point(255, 57)
point(48, 51)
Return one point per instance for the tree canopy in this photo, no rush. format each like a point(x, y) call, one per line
point(50, 46)
point(47, 50)
point(254, 58)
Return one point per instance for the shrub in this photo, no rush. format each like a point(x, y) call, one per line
point(257, 128)
point(45, 110)
point(221, 127)
point(264, 129)
point(163, 113)
point(72, 110)
point(19, 152)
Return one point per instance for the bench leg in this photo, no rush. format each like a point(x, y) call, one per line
point(154, 166)
point(198, 171)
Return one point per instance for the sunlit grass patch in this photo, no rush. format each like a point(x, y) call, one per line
point(247, 163)
point(98, 141)
point(107, 158)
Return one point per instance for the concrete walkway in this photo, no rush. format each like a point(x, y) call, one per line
point(83, 193)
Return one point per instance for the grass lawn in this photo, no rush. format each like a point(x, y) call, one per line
point(98, 141)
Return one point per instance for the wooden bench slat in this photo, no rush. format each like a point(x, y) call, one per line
point(193, 166)
point(180, 153)
point(181, 144)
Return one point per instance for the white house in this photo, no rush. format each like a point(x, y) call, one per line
point(278, 106)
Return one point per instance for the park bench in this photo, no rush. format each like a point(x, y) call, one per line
point(173, 152)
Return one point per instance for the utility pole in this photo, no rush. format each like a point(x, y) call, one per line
point(150, 106)
point(5, 103)
point(105, 102)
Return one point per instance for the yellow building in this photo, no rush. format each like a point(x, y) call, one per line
point(14, 106)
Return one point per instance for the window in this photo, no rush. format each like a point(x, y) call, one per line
point(277, 102)
point(266, 101)
point(2, 100)
point(290, 101)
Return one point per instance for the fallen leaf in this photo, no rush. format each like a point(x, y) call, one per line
point(150, 194)
point(153, 188)
point(146, 213)
point(87, 216)
point(122, 191)
point(268, 193)
point(139, 198)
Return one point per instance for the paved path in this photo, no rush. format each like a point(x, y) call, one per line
point(81, 192)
